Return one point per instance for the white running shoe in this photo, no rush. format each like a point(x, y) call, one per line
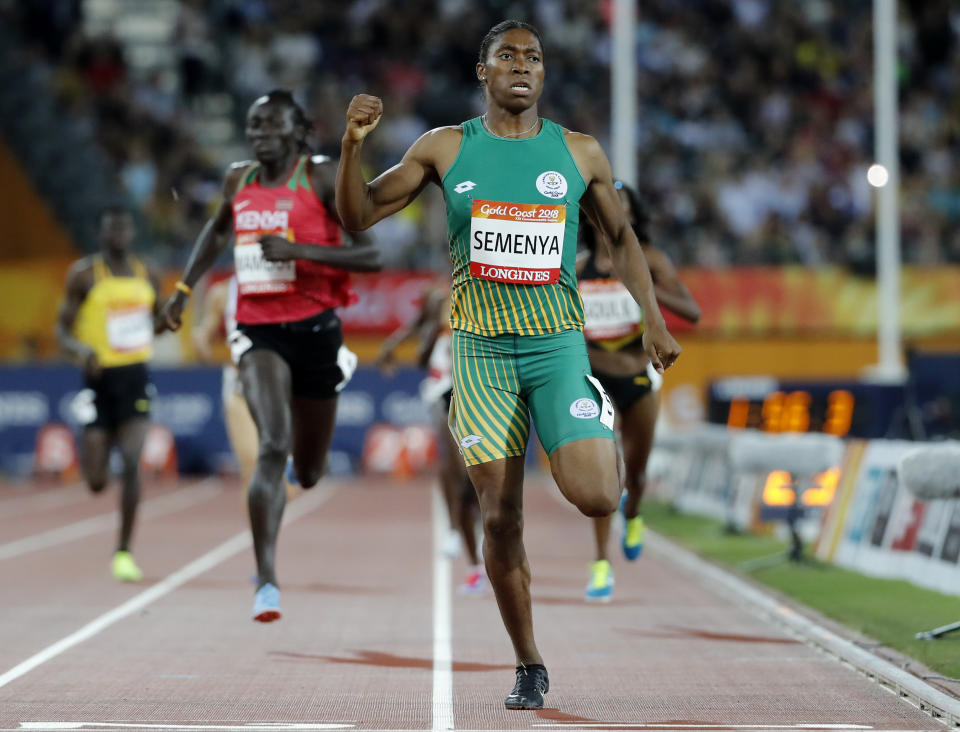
point(452, 546)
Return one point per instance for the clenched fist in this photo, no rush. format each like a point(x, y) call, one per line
point(660, 346)
point(363, 115)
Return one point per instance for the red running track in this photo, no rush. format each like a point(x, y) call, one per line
point(366, 641)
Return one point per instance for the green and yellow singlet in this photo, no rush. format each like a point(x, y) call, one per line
point(513, 210)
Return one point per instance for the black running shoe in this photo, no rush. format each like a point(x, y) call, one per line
point(532, 684)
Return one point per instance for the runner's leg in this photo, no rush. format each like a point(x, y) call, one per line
point(130, 437)
point(313, 422)
point(267, 386)
point(95, 457)
point(638, 428)
point(586, 471)
point(499, 485)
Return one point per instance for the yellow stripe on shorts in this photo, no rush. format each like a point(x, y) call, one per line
point(490, 419)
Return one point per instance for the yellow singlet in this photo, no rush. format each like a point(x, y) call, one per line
point(116, 317)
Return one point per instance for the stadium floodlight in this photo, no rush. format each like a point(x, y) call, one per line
point(877, 175)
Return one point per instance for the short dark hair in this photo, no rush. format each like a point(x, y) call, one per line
point(638, 210)
point(503, 27)
point(285, 96)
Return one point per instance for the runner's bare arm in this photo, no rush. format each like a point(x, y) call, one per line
point(79, 282)
point(671, 292)
point(156, 281)
point(384, 359)
point(363, 204)
point(433, 322)
point(363, 257)
point(213, 239)
point(602, 205)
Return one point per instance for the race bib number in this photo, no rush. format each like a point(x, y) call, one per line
point(257, 276)
point(609, 310)
point(521, 243)
point(130, 329)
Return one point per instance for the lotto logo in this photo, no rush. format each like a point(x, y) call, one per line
point(465, 186)
point(263, 220)
point(469, 441)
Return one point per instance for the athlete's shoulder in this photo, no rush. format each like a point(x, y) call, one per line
point(84, 264)
point(439, 137)
point(80, 273)
point(234, 176)
point(446, 132)
point(150, 267)
point(238, 169)
point(581, 141)
point(436, 148)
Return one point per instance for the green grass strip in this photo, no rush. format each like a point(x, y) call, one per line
point(889, 611)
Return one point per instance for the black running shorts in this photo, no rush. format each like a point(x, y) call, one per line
point(625, 391)
point(117, 394)
point(320, 364)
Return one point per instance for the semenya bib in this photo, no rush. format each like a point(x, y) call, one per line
point(280, 292)
point(513, 209)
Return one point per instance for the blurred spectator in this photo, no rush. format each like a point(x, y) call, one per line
point(756, 116)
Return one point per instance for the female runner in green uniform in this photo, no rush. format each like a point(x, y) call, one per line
point(514, 184)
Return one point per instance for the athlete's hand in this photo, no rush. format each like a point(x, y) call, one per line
point(660, 346)
point(363, 115)
point(170, 316)
point(385, 363)
point(91, 364)
point(277, 249)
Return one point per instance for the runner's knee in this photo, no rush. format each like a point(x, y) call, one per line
point(597, 504)
point(590, 493)
point(309, 475)
point(502, 522)
point(272, 450)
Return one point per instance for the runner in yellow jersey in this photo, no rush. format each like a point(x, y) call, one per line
point(106, 324)
point(514, 184)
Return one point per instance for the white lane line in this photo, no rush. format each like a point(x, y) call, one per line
point(303, 505)
point(247, 727)
point(442, 622)
point(152, 508)
point(51, 498)
point(695, 725)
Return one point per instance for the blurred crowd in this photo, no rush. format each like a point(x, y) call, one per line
point(756, 116)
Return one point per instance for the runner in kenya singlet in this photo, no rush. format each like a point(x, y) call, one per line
point(278, 292)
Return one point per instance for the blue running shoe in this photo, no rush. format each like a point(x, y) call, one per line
point(600, 586)
point(266, 604)
point(290, 473)
point(633, 533)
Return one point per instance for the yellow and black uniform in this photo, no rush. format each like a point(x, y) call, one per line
point(614, 322)
point(116, 321)
point(513, 209)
